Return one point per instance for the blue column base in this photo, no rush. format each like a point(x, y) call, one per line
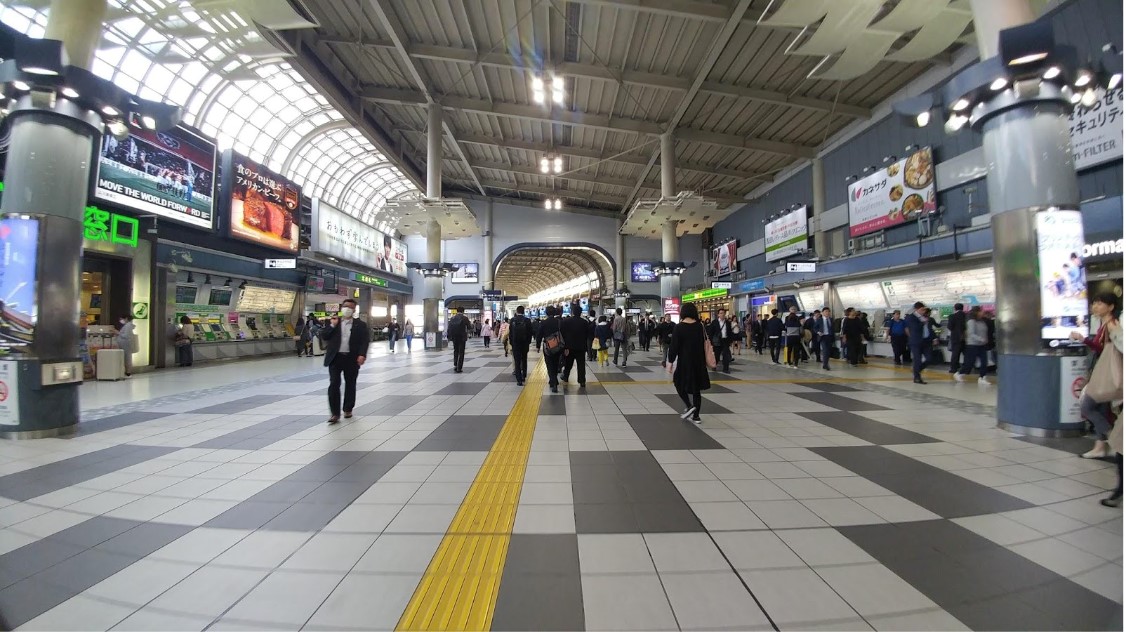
point(1029, 397)
point(44, 411)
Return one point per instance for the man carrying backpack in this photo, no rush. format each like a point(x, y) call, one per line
point(520, 338)
point(457, 331)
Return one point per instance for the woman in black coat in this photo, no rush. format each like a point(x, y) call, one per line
point(686, 349)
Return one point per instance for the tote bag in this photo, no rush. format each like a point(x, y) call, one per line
point(709, 353)
point(1105, 384)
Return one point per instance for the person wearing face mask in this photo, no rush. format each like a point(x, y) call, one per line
point(126, 341)
point(346, 343)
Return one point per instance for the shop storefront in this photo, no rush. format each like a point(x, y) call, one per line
point(1102, 260)
point(709, 301)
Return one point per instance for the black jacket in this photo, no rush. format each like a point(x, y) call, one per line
point(549, 326)
point(358, 342)
point(957, 327)
point(774, 327)
point(853, 328)
point(664, 331)
point(458, 327)
point(575, 330)
point(520, 331)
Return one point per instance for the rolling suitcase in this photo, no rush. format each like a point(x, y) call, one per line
point(111, 364)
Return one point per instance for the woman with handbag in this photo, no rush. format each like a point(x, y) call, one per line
point(1105, 383)
point(690, 357)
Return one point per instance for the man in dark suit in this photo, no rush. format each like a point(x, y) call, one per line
point(824, 332)
point(919, 336)
point(520, 338)
point(457, 331)
point(575, 331)
point(957, 327)
point(346, 347)
point(550, 326)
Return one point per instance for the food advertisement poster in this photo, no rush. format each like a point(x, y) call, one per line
point(892, 196)
point(265, 207)
point(1062, 275)
point(788, 235)
point(642, 272)
point(465, 273)
point(724, 258)
point(170, 174)
point(337, 234)
point(19, 240)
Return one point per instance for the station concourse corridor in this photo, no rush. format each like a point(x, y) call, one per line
point(218, 499)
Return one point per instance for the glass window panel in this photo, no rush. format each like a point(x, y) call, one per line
point(180, 92)
point(159, 78)
point(127, 83)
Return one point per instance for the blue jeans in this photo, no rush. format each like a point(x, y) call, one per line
point(974, 353)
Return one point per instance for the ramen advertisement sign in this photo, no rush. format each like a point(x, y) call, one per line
point(892, 196)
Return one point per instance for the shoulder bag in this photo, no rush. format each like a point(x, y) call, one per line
point(553, 343)
point(709, 353)
point(1105, 384)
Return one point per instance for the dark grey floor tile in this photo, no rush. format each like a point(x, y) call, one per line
point(709, 407)
point(52, 477)
point(389, 458)
point(306, 517)
point(598, 492)
point(635, 368)
point(339, 457)
point(462, 388)
point(868, 429)
point(85, 569)
point(303, 379)
point(342, 492)
point(528, 601)
point(144, 539)
point(605, 518)
point(573, 388)
point(94, 531)
point(609, 377)
point(23, 601)
point(542, 553)
point(464, 433)
point(838, 402)
point(582, 459)
point(944, 493)
point(248, 514)
point(285, 491)
point(389, 405)
point(263, 433)
point(828, 387)
point(1008, 613)
point(361, 473)
point(505, 377)
point(670, 432)
point(595, 473)
point(317, 472)
point(468, 369)
point(719, 389)
point(553, 404)
point(34, 558)
point(667, 517)
point(653, 490)
point(240, 405)
point(116, 421)
point(1074, 606)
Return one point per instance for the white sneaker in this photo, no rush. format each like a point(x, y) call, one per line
point(1100, 451)
point(687, 412)
point(958, 377)
point(984, 382)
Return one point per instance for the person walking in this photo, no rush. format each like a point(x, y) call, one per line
point(956, 335)
point(520, 339)
point(919, 335)
point(503, 337)
point(127, 340)
point(393, 333)
point(574, 330)
point(793, 338)
point(897, 333)
point(736, 336)
point(758, 333)
point(603, 335)
point(719, 333)
point(298, 335)
point(1099, 413)
point(346, 347)
point(618, 326)
point(813, 325)
point(408, 333)
point(687, 361)
point(825, 339)
point(774, 329)
point(664, 334)
point(457, 331)
point(974, 349)
point(552, 357)
point(865, 336)
point(486, 332)
point(852, 328)
point(183, 342)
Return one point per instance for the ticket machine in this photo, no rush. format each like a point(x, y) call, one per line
point(249, 325)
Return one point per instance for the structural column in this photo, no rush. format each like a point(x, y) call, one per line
point(1027, 144)
point(819, 238)
point(46, 183)
point(485, 268)
point(668, 165)
point(434, 151)
point(432, 285)
point(670, 283)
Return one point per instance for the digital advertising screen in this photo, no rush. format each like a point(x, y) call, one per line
point(642, 272)
point(169, 174)
point(788, 235)
point(1063, 276)
point(19, 241)
point(724, 258)
point(895, 195)
point(264, 207)
point(466, 273)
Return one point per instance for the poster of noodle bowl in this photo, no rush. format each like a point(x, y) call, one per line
point(265, 207)
point(895, 195)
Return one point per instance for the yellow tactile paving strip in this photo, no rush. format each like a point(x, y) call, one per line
point(459, 589)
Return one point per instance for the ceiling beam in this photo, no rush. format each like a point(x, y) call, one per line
point(401, 40)
point(603, 73)
point(719, 43)
point(686, 9)
point(395, 96)
point(578, 210)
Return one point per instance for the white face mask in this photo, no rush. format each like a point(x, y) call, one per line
point(347, 312)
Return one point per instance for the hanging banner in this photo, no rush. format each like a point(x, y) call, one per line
point(724, 258)
point(892, 196)
point(1096, 132)
point(788, 235)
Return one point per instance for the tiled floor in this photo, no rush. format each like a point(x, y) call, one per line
point(216, 498)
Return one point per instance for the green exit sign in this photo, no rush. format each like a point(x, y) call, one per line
point(367, 278)
point(704, 294)
point(99, 225)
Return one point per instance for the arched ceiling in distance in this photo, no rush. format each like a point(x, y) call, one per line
point(527, 271)
point(233, 89)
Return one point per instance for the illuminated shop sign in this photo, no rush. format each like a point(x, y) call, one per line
point(704, 294)
point(99, 225)
point(367, 278)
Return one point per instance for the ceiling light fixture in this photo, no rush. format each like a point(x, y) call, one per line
point(999, 84)
point(1052, 73)
point(21, 86)
point(1084, 78)
point(1089, 98)
point(960, 104)
point(69, 93)
point(955, 122)
point(923, 118)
